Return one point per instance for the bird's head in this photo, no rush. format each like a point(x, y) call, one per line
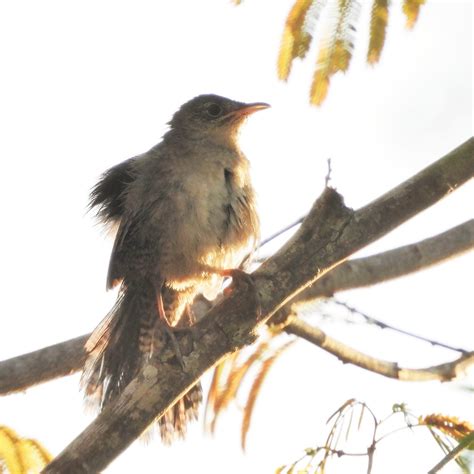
point(213, 117)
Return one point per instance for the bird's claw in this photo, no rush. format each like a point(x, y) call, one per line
point(241, 279)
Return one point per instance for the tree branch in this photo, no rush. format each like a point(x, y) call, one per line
point(367, 271)
point(330, 233)
point(27, 370)
point(347, 354)
point(382, 325)
point(65, 358)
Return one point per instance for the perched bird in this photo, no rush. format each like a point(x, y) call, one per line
point(185, 218)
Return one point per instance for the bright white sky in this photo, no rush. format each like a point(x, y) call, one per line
point(85, 85)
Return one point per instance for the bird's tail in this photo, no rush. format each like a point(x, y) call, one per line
point(117, 349)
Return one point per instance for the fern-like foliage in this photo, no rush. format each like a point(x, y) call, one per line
point(342, 426)
point(255, 389)
point(449, 425)
point(447, 431)
point(21, 455)
point(226, 382)
point(348, 419)
point(411, 8)
point(378, 29)
point(229, 375)
point(335, 53)
point(335, 50)
point(297, 34)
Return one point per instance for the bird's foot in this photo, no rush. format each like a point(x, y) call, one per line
point(171, 332)
point(168, 329)
point(243, 280)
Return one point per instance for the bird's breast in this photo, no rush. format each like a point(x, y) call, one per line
point(216, 222)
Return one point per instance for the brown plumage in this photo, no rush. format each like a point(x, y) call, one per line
point(184, 213)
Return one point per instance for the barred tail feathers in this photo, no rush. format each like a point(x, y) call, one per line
point(173, 424)
point(127, 337)
point(120, 344)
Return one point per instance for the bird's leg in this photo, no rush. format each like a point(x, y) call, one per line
point(189, 312)
point(187, 320)
point(163, 320)
point(160, 307)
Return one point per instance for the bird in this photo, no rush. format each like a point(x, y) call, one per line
point(184, 217)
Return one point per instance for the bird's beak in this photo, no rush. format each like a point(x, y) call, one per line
point(248, 109)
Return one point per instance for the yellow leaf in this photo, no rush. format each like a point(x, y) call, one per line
point(336, 51)
point(213, 393)
point(9, 454)
point(319, 88)
point(295, 41)
point(341, 57)
point(378, 28)
point(33, 455)
point(231, 384)
point(449, 425)
point(285, 56)
point(21, 456)
point(411, 8)
point(255, 389)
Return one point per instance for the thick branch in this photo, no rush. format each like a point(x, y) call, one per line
point(329, 234)
point(27, 370)
point(346, 354)
point(22, 372)
point(368, 271)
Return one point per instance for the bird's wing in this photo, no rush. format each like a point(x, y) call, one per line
point(107, 196)
point(121, 258)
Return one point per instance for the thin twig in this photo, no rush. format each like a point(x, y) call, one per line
point(382, 325)
point(338, 452)
point(453, 454)
point(347, 354)
point(281, 231)
point(328, 175)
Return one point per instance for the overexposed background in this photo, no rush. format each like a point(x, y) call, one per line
point(84, 85)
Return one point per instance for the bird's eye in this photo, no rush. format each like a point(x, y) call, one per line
point(214, 110)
